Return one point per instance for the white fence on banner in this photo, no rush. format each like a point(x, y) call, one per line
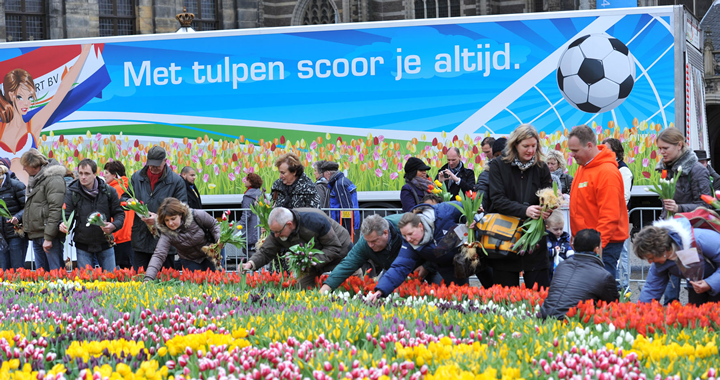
point(640, 217)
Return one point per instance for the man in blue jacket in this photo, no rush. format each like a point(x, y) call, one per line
point(380, 242)
point(429, 235)
point(343, 194)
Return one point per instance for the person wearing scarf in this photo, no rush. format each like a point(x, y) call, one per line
point(416, 183)
point(514, 181)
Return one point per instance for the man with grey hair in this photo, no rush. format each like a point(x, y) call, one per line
point(454, 175)
point(380, 241)
point(343, 195)
point(300, 225)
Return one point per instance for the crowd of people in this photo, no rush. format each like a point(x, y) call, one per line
point(590, 263)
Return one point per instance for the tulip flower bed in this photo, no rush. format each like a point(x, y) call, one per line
point(99, 325)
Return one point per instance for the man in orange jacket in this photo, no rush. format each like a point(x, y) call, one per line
point(597, 198)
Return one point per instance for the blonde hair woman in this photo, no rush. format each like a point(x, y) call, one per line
point(556, 163)
point(514, 180)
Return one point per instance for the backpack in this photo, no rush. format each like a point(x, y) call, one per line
point(702, 218)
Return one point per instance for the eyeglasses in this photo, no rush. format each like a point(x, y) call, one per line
point(279, 232)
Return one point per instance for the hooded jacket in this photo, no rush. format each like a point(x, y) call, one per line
point(439, 245)
point(188, 239)
point(12, 192)
point(302, 193)
point(330, 237)
point(694, 181)
point(581, 277)
point(706, 241)
point(43, 205)
point(343, 194)
point(361, 253)
point(124, 234)
point(598, 198)
point(92, 238)
point(168, 185)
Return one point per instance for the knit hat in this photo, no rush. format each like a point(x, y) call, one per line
point(156, 156)
point(330, 166)
point(5, 161)
point(412, 165)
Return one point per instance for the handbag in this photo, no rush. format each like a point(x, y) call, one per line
point(498, 234)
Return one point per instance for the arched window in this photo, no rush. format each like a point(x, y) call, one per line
point(318, 12)
point(117, 17)
point(206, 14)
point(25, 20)
point(437, 8)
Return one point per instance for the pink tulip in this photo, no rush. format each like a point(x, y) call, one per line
point(231, 176)
point(378, 172)
point(206, 177)
point(393, 175)
point(216, 169)
point(645, 162)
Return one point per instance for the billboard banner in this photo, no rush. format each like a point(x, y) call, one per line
point(367, 96)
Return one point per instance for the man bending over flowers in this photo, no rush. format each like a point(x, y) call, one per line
point(299, 226)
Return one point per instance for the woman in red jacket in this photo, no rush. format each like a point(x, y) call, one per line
point(114, 172)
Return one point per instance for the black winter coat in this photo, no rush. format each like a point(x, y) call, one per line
point(168, 185)
point(510, 195)
point(92, 238)
point(13, 193)
point(581, 277)
point(193, 195)
point(467, 180)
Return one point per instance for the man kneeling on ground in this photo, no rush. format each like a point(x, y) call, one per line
point(300, 225)
point(580, 277)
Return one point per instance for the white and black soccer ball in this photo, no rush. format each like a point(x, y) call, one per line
point(596, 73)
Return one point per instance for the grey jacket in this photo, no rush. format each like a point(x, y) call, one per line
point(188, 239)
point(43, 205)
point(169, 185)
point(330, 237)
point(694, 181)
point(324, 191)
point(249, 220)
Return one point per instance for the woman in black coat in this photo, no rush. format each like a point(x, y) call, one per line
point(514, 182)
point(14, 248)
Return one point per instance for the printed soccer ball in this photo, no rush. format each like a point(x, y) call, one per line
point(596, 73)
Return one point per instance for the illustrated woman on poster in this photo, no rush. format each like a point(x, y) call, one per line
point(16, 135)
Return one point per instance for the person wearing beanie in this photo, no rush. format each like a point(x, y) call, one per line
point(416, 183)
point(343, 194)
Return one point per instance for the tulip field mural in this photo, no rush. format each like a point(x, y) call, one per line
point(372, 162)
point(207, 325)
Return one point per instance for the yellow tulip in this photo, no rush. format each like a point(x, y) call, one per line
point(239, 227)
point(457, 198)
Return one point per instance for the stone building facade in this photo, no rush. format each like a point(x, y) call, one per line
point(22, 20)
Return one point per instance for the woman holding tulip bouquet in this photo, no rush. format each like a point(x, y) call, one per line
point(183, 228)
point(694, 181)
point(514, 181)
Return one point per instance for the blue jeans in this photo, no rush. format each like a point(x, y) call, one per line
point(14, 255)
point(447, 274)
point(106, 259)
point(610, 256)
point(672, 291)
point(51, 260)
point(623, 267)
